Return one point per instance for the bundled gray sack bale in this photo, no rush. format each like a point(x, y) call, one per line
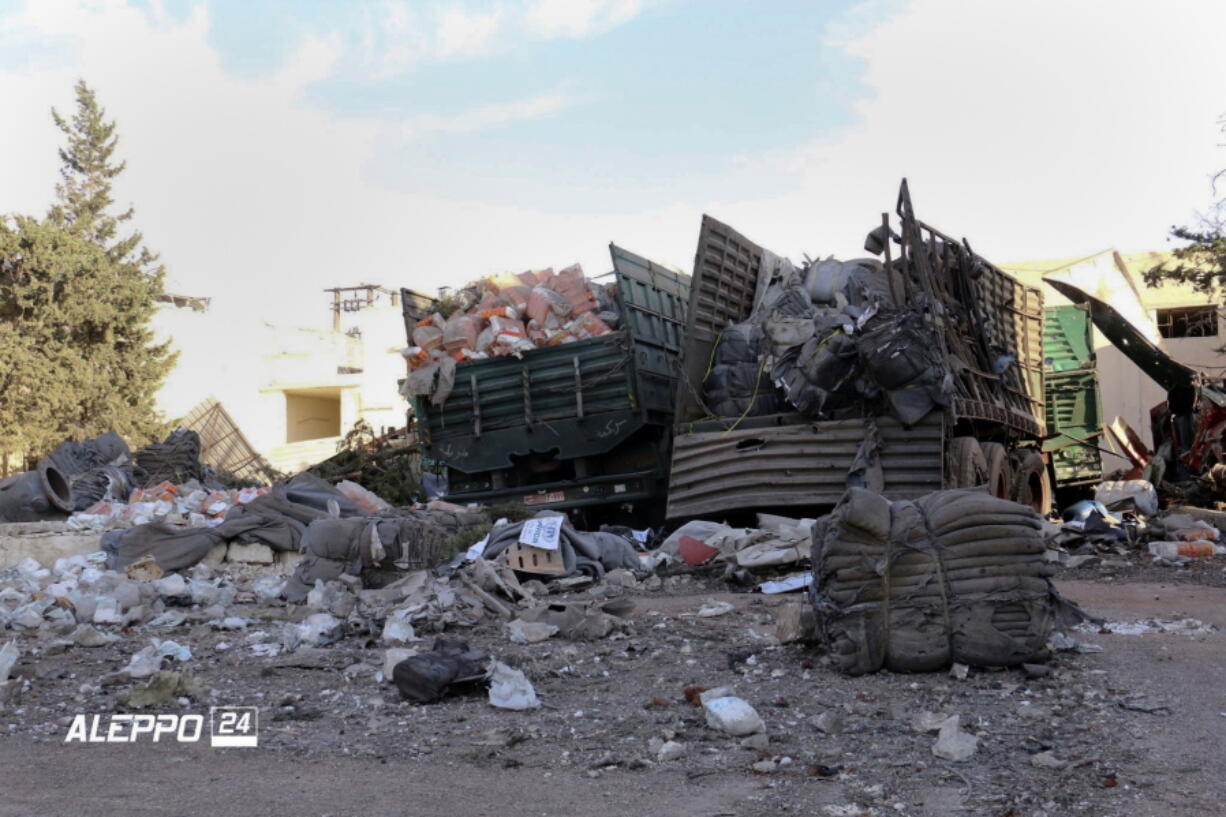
point(359, 546)
point(912, 586)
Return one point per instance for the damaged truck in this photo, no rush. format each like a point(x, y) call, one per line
point(579, 424)
point(912, 371)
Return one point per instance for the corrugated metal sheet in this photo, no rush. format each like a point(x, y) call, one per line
point(1066, 339)
point(801, 465)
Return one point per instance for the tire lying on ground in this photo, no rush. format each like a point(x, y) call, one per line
point(912, 586)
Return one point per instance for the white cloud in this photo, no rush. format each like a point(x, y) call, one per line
point(578, 18)
point(488, 116)
point(400, 34)
point(1038, 129)
point(463, 33)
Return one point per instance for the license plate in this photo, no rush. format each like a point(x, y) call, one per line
point(545, 499)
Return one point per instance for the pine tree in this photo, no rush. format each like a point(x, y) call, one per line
point(76, 300)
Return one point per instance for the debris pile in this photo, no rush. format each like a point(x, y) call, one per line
point(99, 483)
point(334, 531)
point(778, 543)
point(189, 504)
point(861, 338)
point(1125, 519)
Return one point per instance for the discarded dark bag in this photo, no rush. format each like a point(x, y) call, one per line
point(901, 355)
point(32, 496)
point(740, 343)
point(98, 468)
point(953, 576)
point(427, 677)
point(176, 459)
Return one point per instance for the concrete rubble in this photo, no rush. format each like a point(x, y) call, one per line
point(643, 659)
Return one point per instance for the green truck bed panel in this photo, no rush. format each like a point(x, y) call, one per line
point(575, 400)
point(1071, 396)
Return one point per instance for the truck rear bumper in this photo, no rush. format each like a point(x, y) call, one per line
point(568, 494)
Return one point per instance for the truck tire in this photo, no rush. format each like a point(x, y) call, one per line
point(965, 466)
point(1031, 482)
point(1000, 474)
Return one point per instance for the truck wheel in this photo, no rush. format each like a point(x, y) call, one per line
point(965, 466)
point(1000, 475)
point(1032, 485)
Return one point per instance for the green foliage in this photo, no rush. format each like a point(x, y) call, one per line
point(1201, 261)
point(77, 356)
point(390, 471)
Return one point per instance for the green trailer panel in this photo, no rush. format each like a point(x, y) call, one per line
point(1072, 401)
point(572, 402)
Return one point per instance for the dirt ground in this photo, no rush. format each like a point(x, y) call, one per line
point(1135, 729)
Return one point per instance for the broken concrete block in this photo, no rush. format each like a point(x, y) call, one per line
point(215, 556)
point(529, 632)
point(253, 554)
point(621, 578)
point(398, 631)
point(733, 715)
point(829, 722)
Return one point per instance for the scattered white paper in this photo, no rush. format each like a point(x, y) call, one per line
point(787, 584)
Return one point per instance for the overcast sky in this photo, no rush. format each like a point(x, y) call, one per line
point(278, 148)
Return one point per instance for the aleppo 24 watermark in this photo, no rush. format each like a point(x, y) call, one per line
point(229, 726)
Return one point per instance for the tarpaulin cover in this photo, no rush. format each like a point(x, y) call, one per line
point(292, 516)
